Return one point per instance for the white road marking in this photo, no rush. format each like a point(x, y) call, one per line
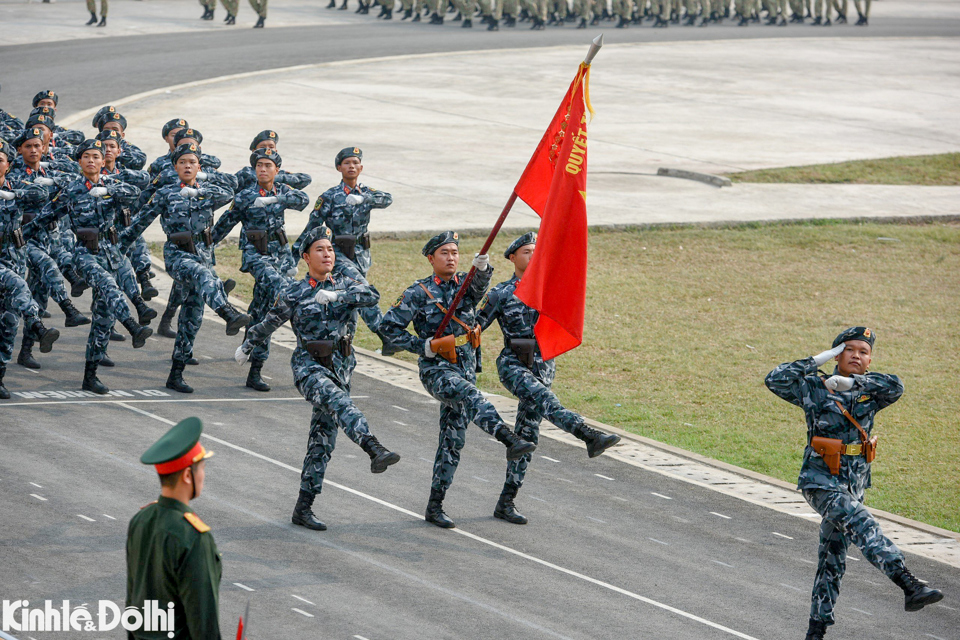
point(790, 586)
point(425, 459)
point(480, 479)
point(358, 397)
point(660, 495)
point(467, 534)
point(807, 561)
point(930, 635)
point(723, 563)
point(154, 339)
point(537, 499)
point(565, 480)
point(243, 586)
point(402, 424)
point(303, 613)
point(399, 407)
point(946, 607)
point(851, 558)
point(38, 497)
point(550, 459)
point(108, 517)
point(720, 515)
point(597, 520)
point(866, 613)
point(781, 535)
point(604, 477)
point(492, 439)
point(303, 600)
point(34, 371)
point(620, 499)
point(181, 400)
point(36, 485)
point(744, 540)
point(266, 377)
point(80, 515)
point(666, 544)
point(206, 357)
point(359, 638)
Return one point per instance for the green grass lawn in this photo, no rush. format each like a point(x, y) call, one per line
point(683, 324)
point(936, 170)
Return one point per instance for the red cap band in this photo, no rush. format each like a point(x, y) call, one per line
point(194, 455)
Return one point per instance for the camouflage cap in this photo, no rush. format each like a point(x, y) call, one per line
point(266, 134)
point(7, 149)
point(265, 154)
point(439, 240)
point(40, 119)
point(44, 111)
point(348, 152)
point(28, 133)
point(185, 149)
point(100, 113)
point(112, 117)
point(315, 234)
point(87, 145)
point(45, 95)
point(176, 123)
point(522, 241)
point(193, 134)
point(178, 448)
point(109, 135)
point(856, 333)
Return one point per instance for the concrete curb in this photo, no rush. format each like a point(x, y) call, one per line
point(706, 178)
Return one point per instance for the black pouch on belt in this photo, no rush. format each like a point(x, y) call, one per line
point(364, 240)
point(16, 237)
point(524, 348)
point(345, 346)
point(125, 217)
point(281, 236)
point(113, 235)
point(207, 237)
point(258, 238)
point(184, 241)
point(89, 237)
point(348, 245)
point(321, 351)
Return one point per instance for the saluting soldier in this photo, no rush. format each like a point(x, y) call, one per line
point(840, 411)
point(321, 309)
point(525, 374)
point(171, 554)
point(451, 378)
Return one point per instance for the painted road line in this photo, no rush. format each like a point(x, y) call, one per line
point(471, 536)
point(852, 559)
point(243, 586)
point(303, 600)
point(596, 520)
point(108, 517)
point(948, 608)
point(303, 613)
point(480, 479)
point(619, 498)
point(781, 535)
point(359, 638)
point(399, 407)
point(36, 485)
point(80, 515)
point(537, 499)
point(866, 613)
point(666, 544)
point(790, 586)
point(180, 400)
point(425, 459)
point(744, 540)
point(604, 477)
point(720, 515)
point(41, 498)
point(723, 564)
point(660, 495)
point(550, 459)
point(402, 424)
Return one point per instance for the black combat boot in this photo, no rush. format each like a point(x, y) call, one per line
point(505, 509)
point(510, 21)
point(254, 381)
point(106, 361)
point(516, 446)
point(918, 595)
point(597, 441)
point(164, 329)
point(380, 457)
point(73, 316)
point(193, 361)
point(138, 332)
point(93, 19)
point(435, 514)
point(175, 379)
point(457, 18)
point(90, 380)
point(229, 285)
point(260, 22)
point(623, 23)
point(25, 357)
point(144, 312)
point(388, 15)
point(436, 18)
point(147, 289)
point(103, 21)
point(583, 23)
point(494, 25)
point(235, 320)
point(416, 17)
point(816, 630)
point(343, 7)
point(4, 394)
point(206, 13)
point(116, 336)
point(46, 337)
point(303, 514)
point(407, 14)
point(332, 5)
point(231, 19)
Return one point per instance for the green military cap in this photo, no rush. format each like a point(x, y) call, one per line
point(266, 134)
point(856, 333)
point(178, 448)
point(321, 232)
point(522, 241)
point(176, 123)
point(184, 149)
point(265, 154)
point(439, 240)
point(193, 134)
point(348, 152)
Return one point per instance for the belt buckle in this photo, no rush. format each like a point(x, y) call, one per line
point(853, 449)
point(459, 341)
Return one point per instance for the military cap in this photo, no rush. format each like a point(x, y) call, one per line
point(439, 240)
point(102, 111)
point(266, 134)
point(50, 112)
point(112, 117)
point(109, 135)
point(40, 118)
point(176, 123)
point(321, 232)
point(522, 241)
point(7, 149)
point(856, 333)
point(87, 145)
point(349, 152)
point(178, 448)
point(193, 134)
point(43, 95)
point(28, 133)
point(185, 149)
point(265, 154)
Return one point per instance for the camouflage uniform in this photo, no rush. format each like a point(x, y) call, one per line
point(327, 389)
point(247, 177)
point(839, 499)
point(138, 252)
point(350, 221)
point(131, 156)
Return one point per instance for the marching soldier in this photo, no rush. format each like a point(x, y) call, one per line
point(263, 242)
point(260, 8)
point(232, 7)
point(525, 374)
point(209, 7)
point(321, 309)
point(247, 176)
point(840, 412)
point(92, 8)
point(450, 378)
point(131, 156)
point(186, 209)
point(171, 555)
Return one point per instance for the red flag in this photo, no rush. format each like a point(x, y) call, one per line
point(554, 184)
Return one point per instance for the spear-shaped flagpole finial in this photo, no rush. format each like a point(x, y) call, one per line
point(594, 49)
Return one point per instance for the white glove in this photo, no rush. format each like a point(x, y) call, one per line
point(98, 192)
point(481, 262)
point(427, 351)
point(202, 175)
point(243, 352)
point(44, 165)
point(262, 202)
point(292, 272)
point(839, 383)
point(354, 198)
point(326, 297)
point(822, 358)
point(189, 192)
point(7, 195)
point(47, 182)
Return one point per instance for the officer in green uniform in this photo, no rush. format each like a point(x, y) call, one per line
point(171, 555)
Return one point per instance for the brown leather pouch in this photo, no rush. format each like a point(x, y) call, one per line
point(16, 236)
point(281, 236)
point(89, 237)
point(347, 246)
point(345, 346)
point(321, 351)
point(446, 348)
point(870, 449)
point(258, 238)
point(830, 450)
point(473, 335)
point(364, 240)
point(524, 348)
point(113, 235)
point(126, 218)
point(184, 241)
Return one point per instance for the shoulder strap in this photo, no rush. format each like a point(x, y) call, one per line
point(443, 309)
point(197, 523)
point(846, 414)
